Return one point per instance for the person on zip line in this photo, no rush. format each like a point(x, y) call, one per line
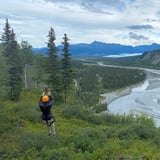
point(45, 105)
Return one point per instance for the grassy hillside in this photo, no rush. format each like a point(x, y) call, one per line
point(81, 134)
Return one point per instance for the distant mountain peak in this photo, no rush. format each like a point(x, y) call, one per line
point(97, 48)
point(95, 42)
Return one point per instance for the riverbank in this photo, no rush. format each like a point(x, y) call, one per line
point(110, 96)
point(142, 99)
point(150, 82)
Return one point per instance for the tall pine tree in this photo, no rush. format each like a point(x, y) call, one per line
point(11, 53)
point(66, 66)
point(26, 53)
point(53, 67)
point(26, 56)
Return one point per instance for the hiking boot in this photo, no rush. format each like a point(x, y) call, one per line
point(54, 134)
point(49, 134)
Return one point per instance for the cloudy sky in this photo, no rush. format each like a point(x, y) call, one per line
point(129, 22)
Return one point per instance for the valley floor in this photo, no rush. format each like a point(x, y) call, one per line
point(138, 99)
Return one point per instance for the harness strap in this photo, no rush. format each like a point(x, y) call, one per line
point(49, 122)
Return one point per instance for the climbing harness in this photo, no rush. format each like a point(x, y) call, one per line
point(49, 122)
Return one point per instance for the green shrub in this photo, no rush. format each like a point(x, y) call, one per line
point(117, 119)
point(62, 153)
point(87, 139)
point(27, 111)
point(8, 121)
point(37, 141)
point(76, 112)
point(100, 108)
point(83, 113)
point(139, 131)
point(88, 115)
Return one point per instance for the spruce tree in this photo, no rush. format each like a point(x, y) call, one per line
point(66, 66)
point(26, 53)
point(26, 56)
point(11, 53)
point(53, 68)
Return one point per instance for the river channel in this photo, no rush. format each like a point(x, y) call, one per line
point(138, 99)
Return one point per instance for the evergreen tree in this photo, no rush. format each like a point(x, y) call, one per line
point(39, 69)
point(26, 56)
point(11, 53)
point(66, 66)
point(53, 67)
point(7, 32)
point(26, 53)
point(4, 77)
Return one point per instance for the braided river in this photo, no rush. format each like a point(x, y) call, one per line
point(142, 98)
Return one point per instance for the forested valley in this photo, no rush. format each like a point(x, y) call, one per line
point(83, 132)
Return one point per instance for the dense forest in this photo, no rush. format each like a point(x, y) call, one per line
point(83, 132)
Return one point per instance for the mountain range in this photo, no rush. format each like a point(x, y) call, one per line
point(100, 49)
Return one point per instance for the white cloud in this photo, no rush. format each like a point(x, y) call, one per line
point(83, 20)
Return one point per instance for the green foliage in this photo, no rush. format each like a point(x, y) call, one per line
point(87, 139)
point(28, 111)
point(121, 61)
point(81, 134)
point(137, 131)
point(7, 120)
point(37, 141)
point(93, 80)
point(26, 53)
point(100, 108)
point(88, 115)
point(67, 78)
point(39, 75)
point(89, 89)
point(117, 119)
point(114, 78)
point(53, 66)
point(4, 77)
point(76, 112)
point(11, 54)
